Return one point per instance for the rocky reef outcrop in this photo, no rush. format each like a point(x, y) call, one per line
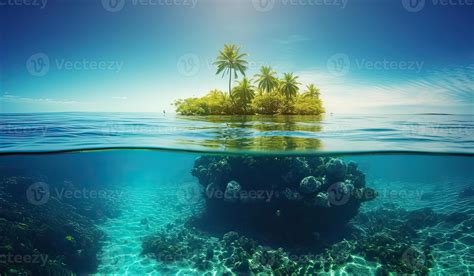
point(292, 200)
point(44, 231)
point(398, 240)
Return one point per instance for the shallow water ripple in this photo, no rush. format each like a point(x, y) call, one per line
point(41, 132)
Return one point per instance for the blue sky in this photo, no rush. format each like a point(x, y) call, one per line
point(141, 55)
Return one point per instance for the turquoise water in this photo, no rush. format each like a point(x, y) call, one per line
point(41, 132)
point(149, 211)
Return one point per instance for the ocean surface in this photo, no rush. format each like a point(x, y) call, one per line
point(130, 194)
point(40, 132)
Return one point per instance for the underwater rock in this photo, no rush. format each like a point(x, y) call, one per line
point(336, 170)
point(280, 199)
point(322, 200)
point(65, 240)
point(456, 217)
point(385, 237)
point(292, 195)
point(310, 185)
point(176, 245)
point(232, 191)
point(51, 224)
point(423, 218)
point(467, 192)
point(390, 236)
point(340, 192)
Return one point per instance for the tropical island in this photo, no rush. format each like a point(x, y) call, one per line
point(265, 93)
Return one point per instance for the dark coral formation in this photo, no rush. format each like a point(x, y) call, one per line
point(399, 240)
point(298, 216)
point(389, 236)
point(54, 237)
point(467, 192)
point(292, 200)
point(230, 253)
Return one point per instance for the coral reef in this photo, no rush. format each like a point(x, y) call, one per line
point(58, 236)
point(283, 200)
point(397, 244)
point(390, 236)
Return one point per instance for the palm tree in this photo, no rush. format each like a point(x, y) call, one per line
point(267, 79)
point(289, 86)
point(244, 93)
point(311, 91)
point(230, 61)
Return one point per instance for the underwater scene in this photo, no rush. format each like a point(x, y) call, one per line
point(236, 137)
point(151, 211)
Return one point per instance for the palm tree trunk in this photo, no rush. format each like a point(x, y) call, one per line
point(230, 84)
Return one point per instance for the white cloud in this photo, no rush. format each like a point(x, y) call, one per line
point(448, 88)
point(8, 98)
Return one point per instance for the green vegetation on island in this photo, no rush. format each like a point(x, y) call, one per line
point(266, 93)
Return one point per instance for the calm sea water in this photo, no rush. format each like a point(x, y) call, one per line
point(65, 207)
point(305, 134)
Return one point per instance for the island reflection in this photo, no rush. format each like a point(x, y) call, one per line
point(253, 133)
